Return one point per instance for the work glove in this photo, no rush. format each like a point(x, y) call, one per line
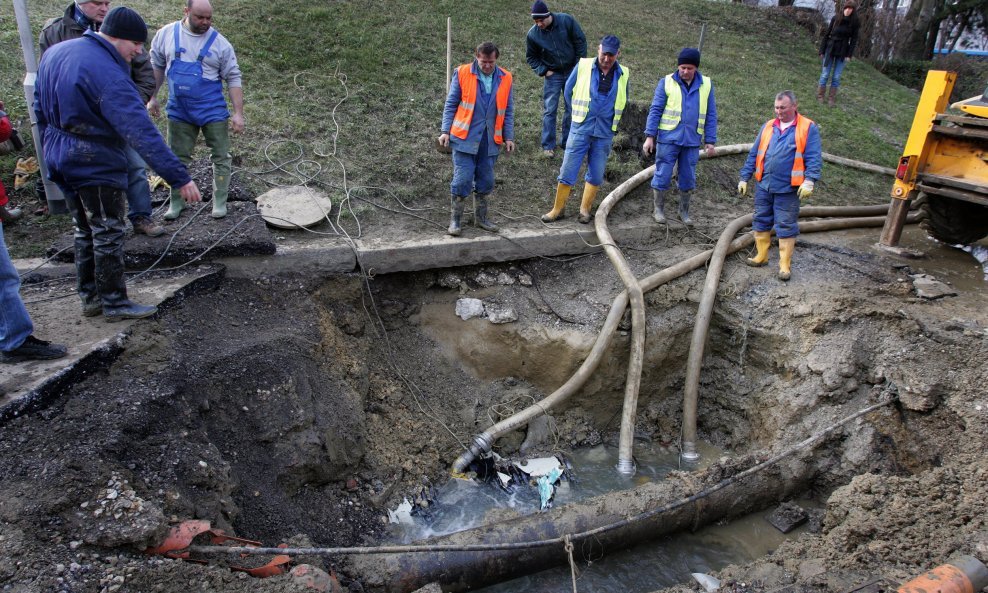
point(742, 188)
point(24, 169)
point(805, 190)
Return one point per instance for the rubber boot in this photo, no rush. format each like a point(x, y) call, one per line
point(589, 193)
point(481, 215)
point(833, 96)
point(763, 240)
point(219, 207)
point(786, 247)
point(659, 199)
point(559, 207)
point(684, 208)
point(820, 92)
point(175, 206)
point(455, 215)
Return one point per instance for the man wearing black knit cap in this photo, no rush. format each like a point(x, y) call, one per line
point(682, 118)
point(555, 43)
point(89, 111)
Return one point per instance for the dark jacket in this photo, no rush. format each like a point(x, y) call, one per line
point(558, 47)
point(63, 28)
point(89, 110)
point(841, 37)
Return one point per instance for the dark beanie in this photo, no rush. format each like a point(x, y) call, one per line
point(124, 23)
point(689, 55)
point(540, 10)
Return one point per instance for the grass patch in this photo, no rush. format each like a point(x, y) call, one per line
point(387, 60)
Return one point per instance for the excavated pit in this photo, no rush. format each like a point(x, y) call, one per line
point(298, 410)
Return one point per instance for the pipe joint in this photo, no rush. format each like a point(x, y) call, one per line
point(689, 453)
point(626, 467)
point(482, 443)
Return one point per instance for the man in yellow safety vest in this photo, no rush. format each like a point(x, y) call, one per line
point(683, 116)
point(597, 91)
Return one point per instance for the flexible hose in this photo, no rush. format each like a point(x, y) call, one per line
point(483, 442)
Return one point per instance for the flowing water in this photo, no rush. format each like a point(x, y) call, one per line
point(463, 504)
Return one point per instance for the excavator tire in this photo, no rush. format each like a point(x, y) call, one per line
point(954, 222)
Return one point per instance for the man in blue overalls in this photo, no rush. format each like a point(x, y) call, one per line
point(196, 59)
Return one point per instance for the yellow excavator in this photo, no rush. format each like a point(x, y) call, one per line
point(945, 161)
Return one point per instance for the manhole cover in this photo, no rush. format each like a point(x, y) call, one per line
point(294, 206)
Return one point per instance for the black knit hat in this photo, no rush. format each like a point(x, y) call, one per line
point(124, 23)
point(540, 10)
point(689, 55)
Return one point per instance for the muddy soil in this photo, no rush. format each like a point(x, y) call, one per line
point(297, 410)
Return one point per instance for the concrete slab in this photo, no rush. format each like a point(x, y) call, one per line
point(294, 206)
point(92, 342)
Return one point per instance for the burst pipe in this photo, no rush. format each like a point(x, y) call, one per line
point(483, 442)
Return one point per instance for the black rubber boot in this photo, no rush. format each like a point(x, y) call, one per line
point(105, 208)
point(455, 215)
point(85, 263)
point(684, 208)
point(482, 220)
point(659, 199)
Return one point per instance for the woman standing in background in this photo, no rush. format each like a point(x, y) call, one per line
point(837, 48)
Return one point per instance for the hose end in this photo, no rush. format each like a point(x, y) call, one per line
point(689, 453)
point(626, 467)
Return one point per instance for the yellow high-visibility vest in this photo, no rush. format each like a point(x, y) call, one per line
point(581, 92)
point(673, 111)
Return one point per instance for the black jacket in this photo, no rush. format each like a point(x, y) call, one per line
point(65, 27)
point(841, 37)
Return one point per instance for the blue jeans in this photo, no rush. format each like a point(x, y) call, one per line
point(666, 157)
point(578, 147)
point(778, 210)
point(15, 323)
point(138, 190)
point(835, 66)
point(473, 171)
point(552, 90)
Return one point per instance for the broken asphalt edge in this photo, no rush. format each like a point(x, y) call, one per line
point(53, 387)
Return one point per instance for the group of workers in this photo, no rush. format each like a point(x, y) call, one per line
point(93, 93)
point(95, 89)
point(478, 118)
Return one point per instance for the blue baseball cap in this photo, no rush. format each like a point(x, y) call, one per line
point(610, 44)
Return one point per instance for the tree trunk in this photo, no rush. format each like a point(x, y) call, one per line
point(921, 35)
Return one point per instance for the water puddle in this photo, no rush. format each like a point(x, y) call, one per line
point(463, 505)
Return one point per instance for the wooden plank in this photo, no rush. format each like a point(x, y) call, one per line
point(964, 120)
point(953, 182)
point(961, 132)
point(953, 193)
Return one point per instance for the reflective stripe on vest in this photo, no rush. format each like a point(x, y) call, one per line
point(673, 111)
point(798, 167)
point(468, 99)
point(581, 93)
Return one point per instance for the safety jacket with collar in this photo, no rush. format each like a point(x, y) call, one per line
point(675, 106)
point(585, 89)
point(780, 160)
point(470, 111)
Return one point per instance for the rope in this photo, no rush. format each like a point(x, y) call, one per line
point(572, 564)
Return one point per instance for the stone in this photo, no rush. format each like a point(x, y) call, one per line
point(787, 516)
point(499, 316)
point(310, 577)
point(928, 287)
point(468, 308)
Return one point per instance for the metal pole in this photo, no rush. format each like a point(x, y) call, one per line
point(56, 201)
point(703, 32)
point(449, 52)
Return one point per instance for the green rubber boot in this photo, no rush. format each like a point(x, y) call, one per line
point(175, 206)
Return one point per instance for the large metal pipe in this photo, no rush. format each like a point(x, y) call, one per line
point(56, 201)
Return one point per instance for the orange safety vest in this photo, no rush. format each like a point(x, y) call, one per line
point(798, 168)
point(468, 98)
